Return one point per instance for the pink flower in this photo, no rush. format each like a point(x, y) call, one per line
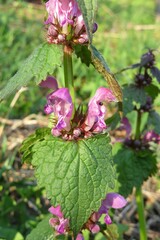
point(97, 110)
point(151, 136)
point(112, 200)
point(79, 236)
point(60, 103)
point(49, 82)
point(59, 223)
point(65, 22)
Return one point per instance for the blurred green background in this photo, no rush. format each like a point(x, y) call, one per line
point(126, 30)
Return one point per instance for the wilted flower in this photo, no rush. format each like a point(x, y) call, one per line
point(65, 22)
point(97, 110)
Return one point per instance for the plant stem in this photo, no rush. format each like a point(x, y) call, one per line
point(139, 196)
point(138, 126)
point(140, 209)
point(68, 71)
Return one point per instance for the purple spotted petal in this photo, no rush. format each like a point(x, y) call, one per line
point(97, 110)
point(50, 82)
point(56, 211)
point(60, 103)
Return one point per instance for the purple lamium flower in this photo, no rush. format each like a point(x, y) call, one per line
point(60, 103)
point(112, 200)
point(79, 236)
point(59, 223)
point(49, 82)
point(65, 22)
point(97, 110)
point(151, 136)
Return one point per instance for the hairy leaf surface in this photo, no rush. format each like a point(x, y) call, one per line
point(38, 65)
point(76, 174)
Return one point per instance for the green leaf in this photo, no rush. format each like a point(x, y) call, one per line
point(88, 9)
point(156, 73)
point(83, 53)
point(42, 231)
point(113, 121)
point(76, 175)
point(29, 142)
point(10, 234)
point(154, 121)
point(152, 90)
point(133, 96)
point(102, 67)
point(39, 64)
point(133, 167)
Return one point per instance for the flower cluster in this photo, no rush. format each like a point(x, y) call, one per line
point(81, 125)
point(138, 144)
point(65, 22)
point(61, 225)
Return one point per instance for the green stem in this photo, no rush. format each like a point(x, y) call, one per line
point(139, 196)
point(140, 209)
point(68, 71)
point(138, 126)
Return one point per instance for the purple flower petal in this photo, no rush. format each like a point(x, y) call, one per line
point(60, 224)
point(79, 236)
point(50, 82)
point(66, 19)
point(107, 219)
point(112, 200)
point(56, 211)
point(53, 222)
point(151, 136)
point(97, 110)
point(94, 228)
point(60, 103)
point(63, 226)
